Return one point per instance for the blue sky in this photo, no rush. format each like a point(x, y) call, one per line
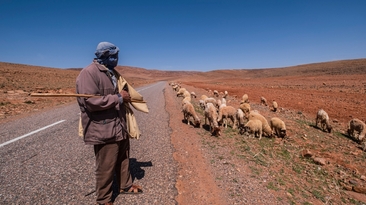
point(194, 35)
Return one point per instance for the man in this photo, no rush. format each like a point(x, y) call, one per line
point(103, 120)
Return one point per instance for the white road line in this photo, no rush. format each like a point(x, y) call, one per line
point(26, 135)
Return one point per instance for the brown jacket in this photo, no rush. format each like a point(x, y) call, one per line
point(103, 119)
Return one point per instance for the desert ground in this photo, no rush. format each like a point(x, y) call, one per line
point(308, 166)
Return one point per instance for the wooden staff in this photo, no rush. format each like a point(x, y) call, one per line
point(72, 95)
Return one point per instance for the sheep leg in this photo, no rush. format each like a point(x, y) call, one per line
point(260, 133)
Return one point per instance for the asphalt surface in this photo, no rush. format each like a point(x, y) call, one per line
point(43, 161)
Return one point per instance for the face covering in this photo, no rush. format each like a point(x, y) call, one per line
point(110, 62)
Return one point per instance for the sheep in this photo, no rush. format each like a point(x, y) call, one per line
point(278, 127)
point(244, 99)
point(240, 118)
point(356, 129)
point(253, 128)
point(223, 100)
point(193, 95)
point(185, 100)
point(323, 119)
point(263, 101)
point(245, 107)
point(211, 116)
point(203, 97)
point(183, 93)
point(176, 87)
point(211, 100)
point(218, 103)
point(226, 112)
point(274, 106)
point(265, 126)
point(221, 103)
point(216, 93)
point(202, 104)
point(188, 111)
point(225, 94)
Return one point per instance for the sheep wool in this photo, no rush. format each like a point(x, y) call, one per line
point(211, 117)
point(278, 127)
point(225, 113)
point(189, 112)
point(322, 118)
point(356, 130)
point(265, 126)
point(253, 128)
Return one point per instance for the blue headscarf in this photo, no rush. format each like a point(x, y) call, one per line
point(107, 54)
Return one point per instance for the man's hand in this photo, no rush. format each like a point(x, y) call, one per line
point(125, 96)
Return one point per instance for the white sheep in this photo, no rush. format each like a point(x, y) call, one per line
point(323, 119)
point(211, 116)
point(225, 113)
point(202, 104)
point(216, 93)
point(225, 94)
point(263, 101)
point(223, 100)
point(176, 87)
point(253, 128)
point(221, 103)
point(193, 95)
point(278, 127)
point(265, 126)
point(274, 106)
point(189, 112)
point(356, 130)
point(240, 118)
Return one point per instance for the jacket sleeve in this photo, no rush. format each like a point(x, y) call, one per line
point(89, 84)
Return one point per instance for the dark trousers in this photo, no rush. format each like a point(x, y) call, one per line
point(111, 159)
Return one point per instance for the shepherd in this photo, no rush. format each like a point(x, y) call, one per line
point(107, 122)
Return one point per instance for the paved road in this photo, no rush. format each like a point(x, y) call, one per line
point(43, 161)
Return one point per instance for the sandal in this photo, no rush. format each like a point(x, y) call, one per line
point(134, 189)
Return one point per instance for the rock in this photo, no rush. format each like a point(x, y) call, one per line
point(354, 182)
point(359, 189)
point(306, 153)
point(346, 187)
point(319, 160)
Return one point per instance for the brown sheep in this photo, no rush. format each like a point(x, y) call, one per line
point(264, 101)
point(274, 106)
point(225, 113)
point(278, 127)
point(253, 128)
point(356, 130)
point(323, 119)
point(189, 112)
point(265, 126)
point(211, 116)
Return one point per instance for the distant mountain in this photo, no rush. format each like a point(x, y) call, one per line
point(342, 67)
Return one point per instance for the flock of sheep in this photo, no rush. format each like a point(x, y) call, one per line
point(250, 122)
